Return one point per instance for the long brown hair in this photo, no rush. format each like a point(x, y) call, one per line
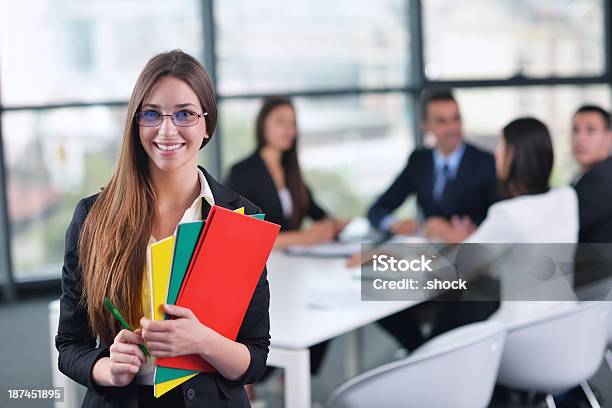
point(289, 161)
point(115, 234)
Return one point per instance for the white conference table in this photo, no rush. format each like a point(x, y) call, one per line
point(313, 300)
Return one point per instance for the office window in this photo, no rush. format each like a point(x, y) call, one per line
point(352, 144)
point(267, 46)
point(72, 50)
point(53, 159)
point(487, 111)
point(481, 39)
point(350, 147)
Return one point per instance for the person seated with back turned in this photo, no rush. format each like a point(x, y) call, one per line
point(452, 181)
point(591, 143)
point(530, 213)
point(271, 177)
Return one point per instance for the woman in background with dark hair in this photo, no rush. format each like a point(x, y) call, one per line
point(271, 178)
point(531, 213)
point(530, 210)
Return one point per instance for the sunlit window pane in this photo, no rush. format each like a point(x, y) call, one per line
point(350, 148)
point(267, 46)
point(71, 50)
point(487, 111)
point(507, 38)
point(53, 159)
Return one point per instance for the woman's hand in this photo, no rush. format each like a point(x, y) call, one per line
point(124, 362)
point(340, 224)
point(186, 335)
point(319, 232)
point(181, 336)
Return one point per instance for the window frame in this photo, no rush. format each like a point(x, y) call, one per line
point(418, 81)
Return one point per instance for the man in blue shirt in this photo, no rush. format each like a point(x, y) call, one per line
point(454, 181)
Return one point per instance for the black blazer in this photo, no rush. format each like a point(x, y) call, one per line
point(595, 211)
point(474, 188)
point(251, 179)
point(593, 189)
point(78, 350)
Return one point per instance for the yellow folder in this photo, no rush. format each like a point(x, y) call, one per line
point(161, 263)
point(159, 278)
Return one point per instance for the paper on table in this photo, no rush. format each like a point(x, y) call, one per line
point(328, 250)
point(333, 298)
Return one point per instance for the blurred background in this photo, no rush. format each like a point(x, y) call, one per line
point(355, 69)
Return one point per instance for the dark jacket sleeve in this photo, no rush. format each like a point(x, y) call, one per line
point(255, 329)
point(74, 340)
point(395, 194)
point(490, 191)
point(592, 208)
point(314, 211)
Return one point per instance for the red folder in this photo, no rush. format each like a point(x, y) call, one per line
point(226, 265)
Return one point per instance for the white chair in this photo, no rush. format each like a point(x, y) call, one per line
point(73, 391)
point(456, 369)
point(557, 352)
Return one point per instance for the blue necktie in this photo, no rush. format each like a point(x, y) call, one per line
point(441, 183)
point(446, 199)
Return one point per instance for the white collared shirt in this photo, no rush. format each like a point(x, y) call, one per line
point(193, 213)
point(284, 196)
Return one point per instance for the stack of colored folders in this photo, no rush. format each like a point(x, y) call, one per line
point(211, 267)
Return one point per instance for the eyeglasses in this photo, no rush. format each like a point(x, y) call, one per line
point(182, 118)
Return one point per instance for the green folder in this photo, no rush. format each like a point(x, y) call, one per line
point(163, 374)
point(187, 236)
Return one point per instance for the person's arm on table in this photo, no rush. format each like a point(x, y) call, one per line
point(380, 214)
point(319, 232)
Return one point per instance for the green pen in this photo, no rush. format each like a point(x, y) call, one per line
point(109, 305)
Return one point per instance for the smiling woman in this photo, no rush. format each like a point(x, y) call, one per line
point(157, 183)
point(162, 138)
